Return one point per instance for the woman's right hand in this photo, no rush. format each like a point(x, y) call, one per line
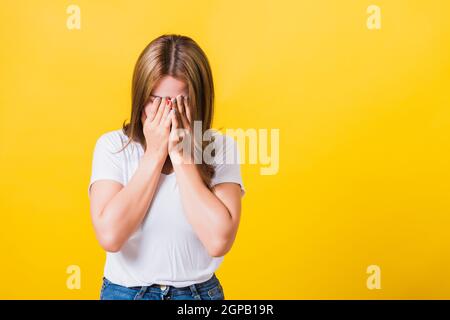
point(156, 126)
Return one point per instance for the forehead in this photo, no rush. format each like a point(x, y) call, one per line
point(169, 87)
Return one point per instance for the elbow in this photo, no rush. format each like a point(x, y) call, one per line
point(221, 243)
point(110, 242)
point(218, 248)
point(107, 235)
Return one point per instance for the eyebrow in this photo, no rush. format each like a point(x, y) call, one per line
point(153, 96)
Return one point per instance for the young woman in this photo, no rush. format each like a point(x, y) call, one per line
point(165, 219)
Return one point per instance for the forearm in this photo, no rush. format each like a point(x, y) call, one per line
point(126, 210)
point(206, 213)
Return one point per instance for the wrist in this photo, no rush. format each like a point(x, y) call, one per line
point(187, 173)
point(179, 159)
point(154, 158)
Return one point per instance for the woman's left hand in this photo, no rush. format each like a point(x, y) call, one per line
point(181, 139)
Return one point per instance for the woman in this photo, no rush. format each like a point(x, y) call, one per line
point(165, 219)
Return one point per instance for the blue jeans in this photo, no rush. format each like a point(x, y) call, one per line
point(208, 290)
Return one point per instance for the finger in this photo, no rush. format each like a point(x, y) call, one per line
point(188, 110)
point(160, 112)
point(179, 120)
point(174, 102)
point(144, 112)
point(180, 104)
point(171, 120)
point(183, 116)
point(174, 118)
point(176, 106)
point(153, 108)
point(167, 109)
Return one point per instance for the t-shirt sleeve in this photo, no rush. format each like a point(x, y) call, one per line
point(107, 162)
point(227, 164)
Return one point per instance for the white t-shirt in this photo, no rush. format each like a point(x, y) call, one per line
point(164, 249)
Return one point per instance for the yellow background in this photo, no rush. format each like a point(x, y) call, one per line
point(364, 125)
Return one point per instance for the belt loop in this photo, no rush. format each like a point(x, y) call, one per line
point(141, 293)
point(194, 291)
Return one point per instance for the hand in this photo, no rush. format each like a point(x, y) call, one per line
point(156, 127)
point(181, 140)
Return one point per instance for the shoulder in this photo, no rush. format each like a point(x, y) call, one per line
point(226, 160)
point(226, 147)
point(112, 139)
point(222, 140)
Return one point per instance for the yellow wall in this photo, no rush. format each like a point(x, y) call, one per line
point(364, 121)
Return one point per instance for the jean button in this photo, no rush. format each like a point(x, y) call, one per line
point(163, 287)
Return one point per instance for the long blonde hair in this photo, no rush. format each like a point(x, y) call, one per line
point(182, 58)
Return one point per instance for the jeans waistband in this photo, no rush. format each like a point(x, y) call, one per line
point(197, 286)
